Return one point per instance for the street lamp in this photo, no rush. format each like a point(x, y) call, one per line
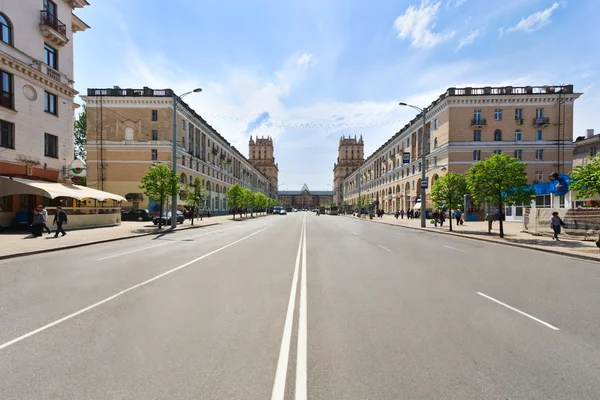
point(174, 139)
point(423, 111)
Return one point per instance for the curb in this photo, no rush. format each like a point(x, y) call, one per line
point(74, 246)
point(523, 246)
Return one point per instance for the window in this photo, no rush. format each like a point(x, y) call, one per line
point(50, 145)
point(435, 161)
point(498, 114)
point(50, 7)
point(497, 135)
point(154, 154)
point(50, 103)
point(497, 151)
point(435, 124)
point(183, 142)
point(183, 161)
point(539, 176)
point(543, 201)
point(154, 115)
point(519, 114)
point(6, 90)
point(477, 135)
point(435, 143)
point(539, 134)
point(519, 154)
point(518, 135)
point(51, 56)
point(477, 116)
point(7, 134)
point(476, 155)
point(183, 125)
point(5, 30)
point(539, 113)
point(539, 155)
point(593, 151)
point(154, 134)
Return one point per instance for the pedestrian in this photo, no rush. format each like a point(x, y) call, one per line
point(555, 224)
point(45, 215)
point(37, 223)
point(457, 215)
point(60, 218)
point(397, 214)
point(402, 214)
point(435, 216)
point(442, 218)
point(489, 217)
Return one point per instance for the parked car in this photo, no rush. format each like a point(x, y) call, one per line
point(283, 212)
point(135, 215)
point(166, 219)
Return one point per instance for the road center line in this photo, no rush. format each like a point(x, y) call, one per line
point(519, 311)
point(301, 354)
point(132, 251)
point(284, 351)
point(122, 292)
point(385, 248)
point(454, 248)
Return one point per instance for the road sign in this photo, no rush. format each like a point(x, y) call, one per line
point(424, 184)
point(406, 158)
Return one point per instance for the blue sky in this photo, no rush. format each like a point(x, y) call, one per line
point(307, 72)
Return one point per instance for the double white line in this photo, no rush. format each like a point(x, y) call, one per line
point(284, 351)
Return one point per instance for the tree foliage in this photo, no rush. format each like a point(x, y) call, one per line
point(500, 180)
point(448, 192)
point(195, 194)
point(80, 133)
point(159, 183)
point(248, 199)
point(260, 200)
point(235, 197)
point(586, 179)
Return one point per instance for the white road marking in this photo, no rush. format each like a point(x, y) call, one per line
point(454, 248)
point(284, 351)
point(122, 292)
point(132, 251)
point(385, 248)
point(519, 311)
point(301, 354)
point(355, 233)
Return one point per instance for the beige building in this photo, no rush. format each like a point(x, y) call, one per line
point(350, 157)
point(465, 125)
point(36, 99)
point(585, 147)
point(304, 198)
point(261, 156)
point(129, 130)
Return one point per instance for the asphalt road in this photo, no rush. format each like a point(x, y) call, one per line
point(299, 307)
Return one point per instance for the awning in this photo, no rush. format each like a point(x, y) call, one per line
point(12, 186)
point(417, 206)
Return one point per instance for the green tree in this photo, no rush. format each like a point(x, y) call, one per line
point(586, 179)
point(235, 198)
point(345, 206)
point(80, 132)
point(448, 192)
point(158, 184)
point(195, 194)
point(248, 200)
point(260, 201)
point(500, 180)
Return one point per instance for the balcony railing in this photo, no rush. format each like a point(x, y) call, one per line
point(6, 99)
point(519, 121)
point(478, 122)
point(49, 19)
point(541, 121)
point(53, 74)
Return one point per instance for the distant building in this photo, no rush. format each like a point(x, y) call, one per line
point(585, 147)
point(261, 156)
point(304, 198)
point(350, 157)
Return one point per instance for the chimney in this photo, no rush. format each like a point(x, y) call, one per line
point(589, 133)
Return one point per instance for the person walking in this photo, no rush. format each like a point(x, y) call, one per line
point(556, 223)
point(457, 216)
point(60, 218)
point(402, 214)
point(489, 217)
point(37, 222)
point(45, 215)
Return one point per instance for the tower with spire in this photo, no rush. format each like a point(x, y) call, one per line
point(350, 157)
point(261, 156)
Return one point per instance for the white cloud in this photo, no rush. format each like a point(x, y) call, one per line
point(468, 39)
point(535, 21)
point(306, 60)
point(455, 3)
point(417, 23)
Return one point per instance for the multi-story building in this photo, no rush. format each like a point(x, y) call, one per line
point(261, 156)
point(305, 199)
point(350, 157)
point(36, 97)
point(585, 147)
point(129, 130)
point(463, 126)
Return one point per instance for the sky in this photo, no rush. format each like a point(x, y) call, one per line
point(308, 72)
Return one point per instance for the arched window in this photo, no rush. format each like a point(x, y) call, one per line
point(497, 135)
point(435, 143)
point(6, 31)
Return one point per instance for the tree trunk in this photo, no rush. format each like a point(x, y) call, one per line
point(193, 212)
point(161, 213)
point(450, 218)
point(501, 222)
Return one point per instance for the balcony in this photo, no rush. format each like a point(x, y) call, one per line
point(215, 151)
point(478, 122)
point(52, 29)
point(519, 121)
point(541, 121)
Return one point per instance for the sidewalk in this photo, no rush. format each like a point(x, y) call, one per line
point(513, 235)
point(21, 243)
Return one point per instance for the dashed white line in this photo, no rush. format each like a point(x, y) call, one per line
point(385, 248)
point(454, 248)
point(132, 251)
point(519, 311)
point(122, 292)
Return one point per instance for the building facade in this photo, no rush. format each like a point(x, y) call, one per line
point(585, 147)
point(304, 199)
point(36, 99)
point(261, 155)
point(129, 130)
point(350, 157)
point(463, 126)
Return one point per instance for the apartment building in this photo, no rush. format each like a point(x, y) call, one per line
point(129, 130)
point(36, 99)
point(466, 125)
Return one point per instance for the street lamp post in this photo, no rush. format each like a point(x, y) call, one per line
point(174, 167)
point(423, 111)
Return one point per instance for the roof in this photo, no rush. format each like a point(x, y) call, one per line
point(11, 186)
point(299, 192)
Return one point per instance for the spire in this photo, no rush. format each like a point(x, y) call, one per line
point(304, 187)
